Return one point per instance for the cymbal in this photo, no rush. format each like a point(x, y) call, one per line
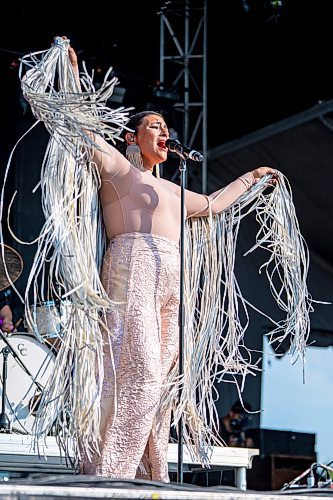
point(14, 264)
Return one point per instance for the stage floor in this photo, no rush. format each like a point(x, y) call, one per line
point(27, 473)
point(65, 487)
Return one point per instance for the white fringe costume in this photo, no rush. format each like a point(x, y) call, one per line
point(72, 241)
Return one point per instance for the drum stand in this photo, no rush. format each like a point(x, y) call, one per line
point(5, 426)
point(4, 420)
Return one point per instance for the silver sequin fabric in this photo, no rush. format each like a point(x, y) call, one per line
point(141, 274)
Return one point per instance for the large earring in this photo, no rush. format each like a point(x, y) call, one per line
point(133, 154)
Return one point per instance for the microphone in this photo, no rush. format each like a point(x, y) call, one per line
point(176, 147)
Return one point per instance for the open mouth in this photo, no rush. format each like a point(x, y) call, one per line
point(161, 144)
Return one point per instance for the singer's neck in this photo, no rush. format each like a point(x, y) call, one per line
point(149, 169)
point(147, 165)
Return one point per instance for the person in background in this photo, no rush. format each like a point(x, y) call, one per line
point(6, 313)
point(234, 425)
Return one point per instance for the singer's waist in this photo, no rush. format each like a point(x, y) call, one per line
point(120, 217)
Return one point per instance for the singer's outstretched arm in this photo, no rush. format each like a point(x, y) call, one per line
point(197, 205)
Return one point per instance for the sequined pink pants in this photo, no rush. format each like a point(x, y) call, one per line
point(140, 273)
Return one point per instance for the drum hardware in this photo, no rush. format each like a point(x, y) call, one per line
point(4, 420)
point(47, 320)
point(34, 403)
point(5, 426)
point(18, 383)
point(11, 266)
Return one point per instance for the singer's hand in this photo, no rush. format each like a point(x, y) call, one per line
point(261, 171)
point(72, 55)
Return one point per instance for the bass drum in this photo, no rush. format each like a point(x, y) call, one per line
point(22, 394)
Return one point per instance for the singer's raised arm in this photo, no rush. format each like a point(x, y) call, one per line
point(109, 161)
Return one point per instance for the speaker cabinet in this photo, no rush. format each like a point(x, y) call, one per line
point(273, 471)
point(275, 442)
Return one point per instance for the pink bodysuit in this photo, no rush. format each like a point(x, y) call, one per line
point(141, 273)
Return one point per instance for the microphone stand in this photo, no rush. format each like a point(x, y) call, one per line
point(182, 152)
point(182, 168)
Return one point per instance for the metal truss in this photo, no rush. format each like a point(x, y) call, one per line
point(183, 74)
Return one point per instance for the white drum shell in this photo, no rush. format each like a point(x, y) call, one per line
point(21, 389)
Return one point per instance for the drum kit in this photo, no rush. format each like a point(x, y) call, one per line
point(27, 358)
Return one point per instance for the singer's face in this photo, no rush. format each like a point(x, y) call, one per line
point(151, 136)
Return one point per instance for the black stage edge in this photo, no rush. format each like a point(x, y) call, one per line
point(54, 486)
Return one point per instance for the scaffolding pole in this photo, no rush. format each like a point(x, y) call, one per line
point(183, 69)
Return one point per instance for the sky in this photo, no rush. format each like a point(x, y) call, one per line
point(289, 404)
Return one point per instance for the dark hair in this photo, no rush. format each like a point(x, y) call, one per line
point(133, 123)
